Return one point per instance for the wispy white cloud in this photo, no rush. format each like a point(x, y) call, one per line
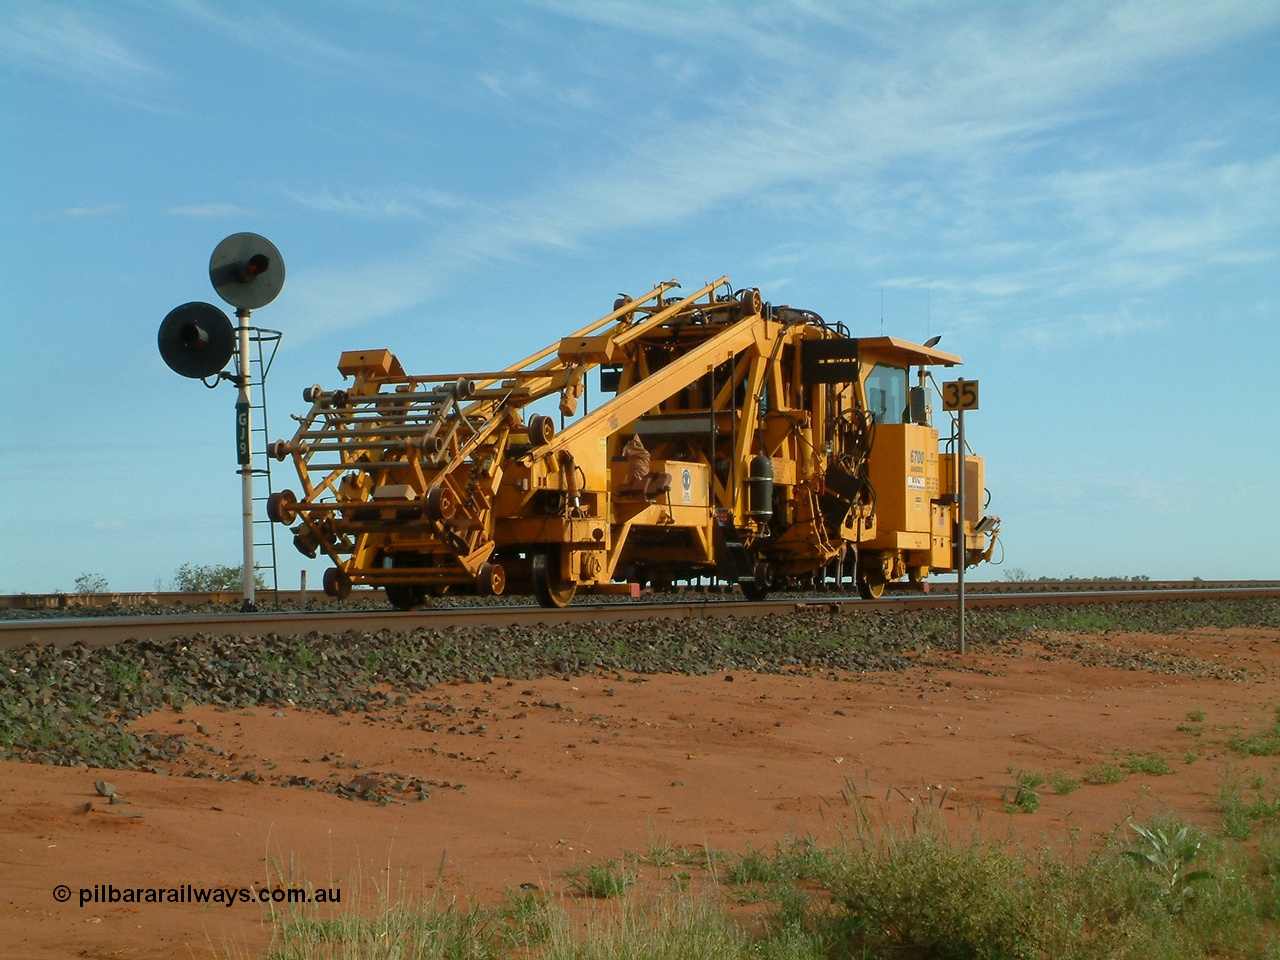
point(967, 99)
point(1090, 488)
point(102, 210)
point(525, 82)
point(273, 34)
point(75, 45)
point(527, 87)
point(211, 210)
point(323, 300)
point(988, 90)
point(1205, 200)
point(1124, 321)
point(1134, 228)
point(762, 31)
point(413, 203)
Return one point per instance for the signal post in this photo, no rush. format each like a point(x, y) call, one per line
point(960, 395)
point(197, 340)
point(244, 456)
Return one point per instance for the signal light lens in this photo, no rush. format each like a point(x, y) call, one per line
point(193, 336)
point(252, 268)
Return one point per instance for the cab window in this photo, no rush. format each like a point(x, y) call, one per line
point(887, 394)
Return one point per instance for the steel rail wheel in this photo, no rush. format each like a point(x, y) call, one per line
point(337, 584)
point(440, 504)
point(282, 507)
point(491, 580)
point(761, 582)
point(551, 591)
point(870, 589)
point(405, 596)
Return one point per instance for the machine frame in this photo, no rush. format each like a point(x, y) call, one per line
point(752, 442)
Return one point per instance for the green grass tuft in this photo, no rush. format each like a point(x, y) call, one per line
point(1243, 805)
point(1026, 797)
point(600, 880)
point(1263, 743)
point(1061, 783)
point(1105, 773)
point(1149, 763)
point(1168, 892)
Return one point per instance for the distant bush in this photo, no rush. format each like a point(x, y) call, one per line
point(211, 578)
point(88, 583)
point(1018, 575)
point(1138, 578)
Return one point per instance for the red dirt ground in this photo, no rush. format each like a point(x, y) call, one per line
point(565, 771)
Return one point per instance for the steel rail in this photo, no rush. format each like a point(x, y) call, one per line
point(107, 631)
point(163, 598)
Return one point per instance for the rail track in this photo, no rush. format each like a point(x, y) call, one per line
point(150, 599)
point(100, 630)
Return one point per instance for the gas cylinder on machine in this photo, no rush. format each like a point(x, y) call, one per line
point(760, 488)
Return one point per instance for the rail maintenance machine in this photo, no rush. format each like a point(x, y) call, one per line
point(737, 439)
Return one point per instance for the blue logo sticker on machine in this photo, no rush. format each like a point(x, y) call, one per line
point(686, 485)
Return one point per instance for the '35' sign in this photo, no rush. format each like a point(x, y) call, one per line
point(960, 395)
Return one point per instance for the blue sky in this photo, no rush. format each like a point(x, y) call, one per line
point(1082, 198)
